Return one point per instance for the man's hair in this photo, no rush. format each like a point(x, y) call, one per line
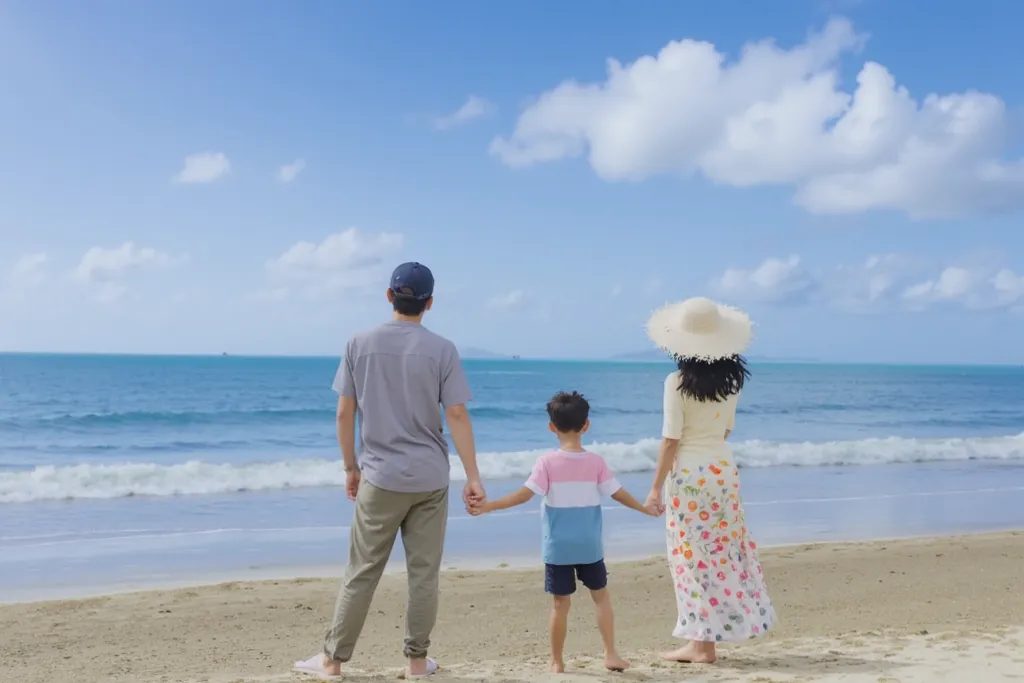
point(569, 412)
point(406, 304)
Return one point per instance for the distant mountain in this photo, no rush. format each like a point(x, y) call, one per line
point(471, 352)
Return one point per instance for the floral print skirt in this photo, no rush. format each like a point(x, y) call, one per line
point(720, 589)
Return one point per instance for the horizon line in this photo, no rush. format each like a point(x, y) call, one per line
point(512, 359)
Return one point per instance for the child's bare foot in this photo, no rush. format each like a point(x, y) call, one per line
point(558, 667)
point(615, 663)
point(691, 653)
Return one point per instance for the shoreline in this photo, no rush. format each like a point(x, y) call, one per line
point(397, 568)
point(905, 610)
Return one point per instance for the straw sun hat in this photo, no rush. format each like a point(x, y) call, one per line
point(700, 328)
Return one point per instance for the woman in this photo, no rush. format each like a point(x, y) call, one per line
point(720, 591)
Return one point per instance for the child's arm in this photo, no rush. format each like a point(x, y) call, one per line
point(523, 495)
point(623, 496)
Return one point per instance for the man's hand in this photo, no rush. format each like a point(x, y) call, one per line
point(352, 479)
point(654, 504)
point(473, 495)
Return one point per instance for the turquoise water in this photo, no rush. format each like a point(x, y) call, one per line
point(135, 470)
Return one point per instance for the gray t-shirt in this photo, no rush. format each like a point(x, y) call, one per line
point(400, 373)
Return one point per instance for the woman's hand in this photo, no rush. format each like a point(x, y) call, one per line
point(654, 503)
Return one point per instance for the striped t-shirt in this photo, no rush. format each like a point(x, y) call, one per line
point(572, 485)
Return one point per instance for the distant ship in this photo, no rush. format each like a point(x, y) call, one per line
point(515, 357)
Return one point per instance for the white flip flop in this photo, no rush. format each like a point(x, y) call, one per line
point(314, 666)
point(431, 669)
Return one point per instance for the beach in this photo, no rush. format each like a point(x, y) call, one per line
point(948, 608)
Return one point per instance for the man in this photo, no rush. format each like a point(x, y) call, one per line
point(395, 377)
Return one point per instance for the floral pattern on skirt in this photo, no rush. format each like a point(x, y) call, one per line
point(720, 589)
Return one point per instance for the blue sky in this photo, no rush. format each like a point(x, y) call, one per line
point(196, 177)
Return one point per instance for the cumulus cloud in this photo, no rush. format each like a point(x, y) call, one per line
point(100, 264)
point(971, 288)
point(775, 280)
point(104, 269)
point(289, 172)
point(473, 108)
point(205, 167)
point(880, 281)
point(872, 283)
point(778, 116)
point(347, 260)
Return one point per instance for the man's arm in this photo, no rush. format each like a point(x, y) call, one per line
point(461, 429)
point(346, 418)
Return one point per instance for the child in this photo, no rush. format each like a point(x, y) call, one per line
point(572, 481)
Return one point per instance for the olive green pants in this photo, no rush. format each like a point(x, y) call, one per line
point(380, 515)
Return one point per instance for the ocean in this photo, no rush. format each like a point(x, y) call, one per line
point(123, 472)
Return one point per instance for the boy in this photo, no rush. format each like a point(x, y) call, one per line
point(572, 481)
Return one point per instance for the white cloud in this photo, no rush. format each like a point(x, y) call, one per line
point(778, 116)
point(872, 283)
point(289, 172)
point(104, 270)
point(974, 288)
point(775, 280)
point(102, 264)
point(28, 272)
point(205, 167)
point(347, 260)
point(516, 298)
point(473, 108)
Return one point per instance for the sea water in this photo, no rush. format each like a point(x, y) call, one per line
point(135, 471)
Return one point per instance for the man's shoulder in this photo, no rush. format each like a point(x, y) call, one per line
point(387, 335)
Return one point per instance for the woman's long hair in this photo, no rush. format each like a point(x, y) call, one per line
point(714, 380)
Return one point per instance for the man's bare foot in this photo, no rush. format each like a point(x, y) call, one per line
point(692, 653)
point(615, 663)
point(558, 667)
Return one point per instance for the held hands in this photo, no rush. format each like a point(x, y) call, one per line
point(475, 498)
point(654, 505)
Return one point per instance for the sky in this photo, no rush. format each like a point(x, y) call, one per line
point(200, 177)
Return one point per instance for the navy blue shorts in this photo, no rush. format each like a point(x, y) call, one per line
point(560, 579)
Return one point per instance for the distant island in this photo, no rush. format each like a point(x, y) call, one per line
point(481, 354)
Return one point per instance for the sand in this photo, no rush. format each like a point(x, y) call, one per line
point(946, 609)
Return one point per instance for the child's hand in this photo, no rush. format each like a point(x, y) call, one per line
point(480, 508)
point(652, 510)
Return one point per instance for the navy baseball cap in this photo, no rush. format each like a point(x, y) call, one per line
point(412, 280)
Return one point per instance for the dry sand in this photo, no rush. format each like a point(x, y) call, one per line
point(946, 609)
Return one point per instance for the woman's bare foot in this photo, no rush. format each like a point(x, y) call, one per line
point(692, 653)
point(614, 662)
point(558, 667)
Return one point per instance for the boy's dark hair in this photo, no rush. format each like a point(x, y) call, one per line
point(569, 412)
point(406, 304)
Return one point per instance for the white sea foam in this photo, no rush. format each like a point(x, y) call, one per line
point(103, 481)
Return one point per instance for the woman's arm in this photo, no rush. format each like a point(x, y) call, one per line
point(671, 435)
point(666, 459)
